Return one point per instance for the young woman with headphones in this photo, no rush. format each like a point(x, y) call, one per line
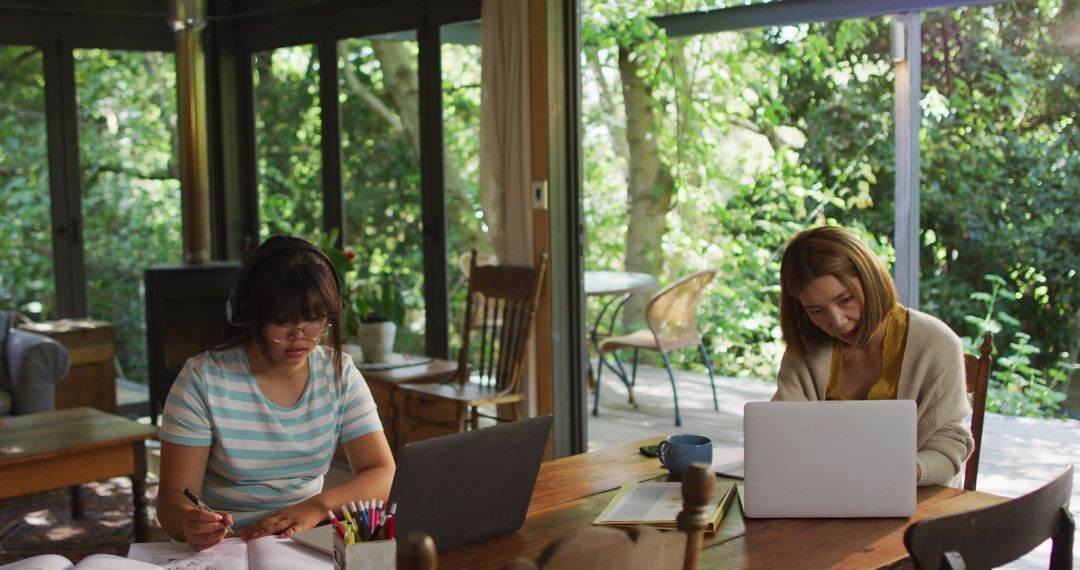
point(252, 424)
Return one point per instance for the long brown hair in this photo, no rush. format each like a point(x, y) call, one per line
point(831, 250)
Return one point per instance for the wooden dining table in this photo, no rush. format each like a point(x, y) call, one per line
point(571, 492)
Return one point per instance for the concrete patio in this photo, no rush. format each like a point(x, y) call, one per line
point(1019, 454)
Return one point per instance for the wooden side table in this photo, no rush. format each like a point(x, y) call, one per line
point(383, 385)
point(91, 348)
point(65, 448)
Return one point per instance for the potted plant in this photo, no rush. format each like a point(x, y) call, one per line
point(372, 302)
point(379, 306)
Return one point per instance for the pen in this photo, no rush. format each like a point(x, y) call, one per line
point(348, 517)
point(337, 524)
point(363, 524)
point(199, 503)
point(390, 527)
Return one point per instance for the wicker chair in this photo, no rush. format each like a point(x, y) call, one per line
point(671, 316)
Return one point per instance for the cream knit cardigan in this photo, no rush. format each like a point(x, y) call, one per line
point(932, 374)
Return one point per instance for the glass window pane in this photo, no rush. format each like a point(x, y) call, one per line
point(130, 186)
point(1000, 161)
point(380, 153)
point(288, 137)
point(465, 226)
point(710, 151)
point(26, 279)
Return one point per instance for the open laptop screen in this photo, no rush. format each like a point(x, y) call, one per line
point(470, 486)
point(830, 459)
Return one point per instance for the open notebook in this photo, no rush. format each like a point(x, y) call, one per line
point(266, 553)
point(92, 562)
point(659, 504)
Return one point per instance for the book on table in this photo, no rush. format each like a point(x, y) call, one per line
point(266, 553)
point(659, 504)
point(92, 562)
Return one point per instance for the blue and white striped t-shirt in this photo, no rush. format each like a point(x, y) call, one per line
point(263, 456)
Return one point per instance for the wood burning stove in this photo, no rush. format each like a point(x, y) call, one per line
point(185, 315)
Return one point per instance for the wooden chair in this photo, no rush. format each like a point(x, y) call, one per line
point(637, 548)
point(672, 320)
point(992, 536)
point(977, 375)
point(492, 356)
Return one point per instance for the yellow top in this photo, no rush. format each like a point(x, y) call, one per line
point(896, 328)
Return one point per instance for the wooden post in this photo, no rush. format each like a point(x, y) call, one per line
point(697, 489)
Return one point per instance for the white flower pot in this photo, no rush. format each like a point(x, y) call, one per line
point(376, 340)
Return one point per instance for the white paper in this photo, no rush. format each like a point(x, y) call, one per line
point(648, 502)
point(273, 553)
point(229, 554)
point(111, 562)
point(266, 553)
point(727, 461)
point(160, 553)
point(40, 562)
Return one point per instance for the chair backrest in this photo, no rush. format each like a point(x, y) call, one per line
point(466, 258)
point(502, 301)
point(640, 547)
point(995, 535)
point(30, 366)
point(977, 375)
point(671, 313)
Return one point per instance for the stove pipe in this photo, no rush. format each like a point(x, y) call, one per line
point(188, 19)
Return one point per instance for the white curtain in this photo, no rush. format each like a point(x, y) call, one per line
point(505, 161)
point(505, 171)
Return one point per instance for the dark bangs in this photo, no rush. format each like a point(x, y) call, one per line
point(292, 289)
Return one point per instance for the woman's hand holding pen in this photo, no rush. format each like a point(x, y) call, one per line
point(287, 521)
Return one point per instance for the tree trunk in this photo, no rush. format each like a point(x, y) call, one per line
point(402, 87)
point(650, 185)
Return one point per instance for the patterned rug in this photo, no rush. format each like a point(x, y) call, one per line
point(41, 523)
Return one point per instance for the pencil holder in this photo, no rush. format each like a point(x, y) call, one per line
point(373, 555)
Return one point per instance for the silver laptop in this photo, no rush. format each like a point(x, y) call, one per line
point(829, 459)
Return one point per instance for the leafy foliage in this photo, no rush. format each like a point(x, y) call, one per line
point(772, 130)
point(26, 278)
point(1016, 385)
point(761, 133)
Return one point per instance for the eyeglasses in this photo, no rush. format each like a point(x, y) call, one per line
point(306, 331)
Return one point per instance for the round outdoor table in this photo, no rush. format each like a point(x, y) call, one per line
point(601, 283)
point(619, 286)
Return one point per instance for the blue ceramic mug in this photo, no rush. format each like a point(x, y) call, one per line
point(677, 452)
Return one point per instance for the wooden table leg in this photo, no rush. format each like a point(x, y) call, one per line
point(77, 511)
point(138, 492)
